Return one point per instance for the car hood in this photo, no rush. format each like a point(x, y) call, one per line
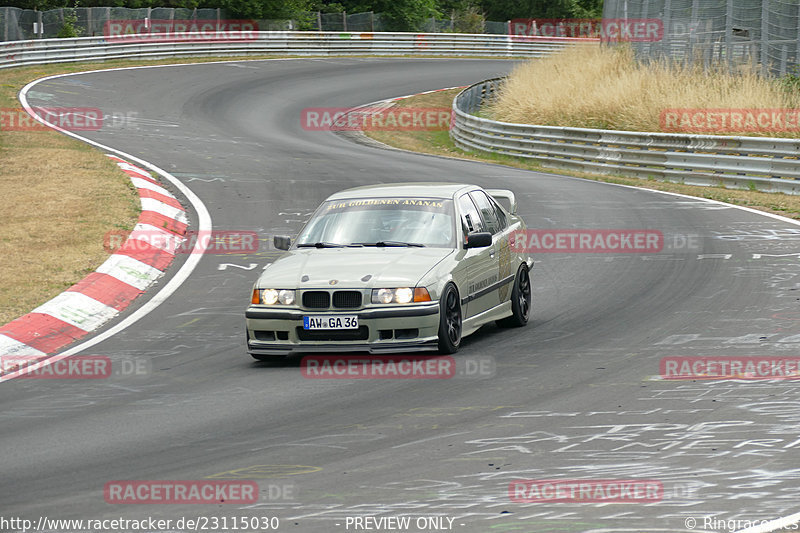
point(351, 267)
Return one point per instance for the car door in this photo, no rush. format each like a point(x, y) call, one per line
point(480, 263)
point(496, 222)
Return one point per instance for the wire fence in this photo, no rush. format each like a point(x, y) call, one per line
point(759, 34)
point(23, 24)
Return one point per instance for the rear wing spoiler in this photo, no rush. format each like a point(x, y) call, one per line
point(505, 198)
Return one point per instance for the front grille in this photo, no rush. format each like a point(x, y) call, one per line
point(347, 299)
point(316, 299)
point(341, 299)
point(360, 334)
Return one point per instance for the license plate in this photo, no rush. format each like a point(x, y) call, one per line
point(330, 322)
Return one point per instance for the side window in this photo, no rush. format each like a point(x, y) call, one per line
point(470, 217)
point(487, 209)
point(501, 215)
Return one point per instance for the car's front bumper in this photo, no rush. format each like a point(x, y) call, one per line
point(392, 329)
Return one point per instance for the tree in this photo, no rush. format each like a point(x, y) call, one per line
point(328, 7)
point(263, 9)
point(401, 15)
point(40, 5)
point(406, 15)
point(468, 20)
point(449, 6)
point(587, 9)
point(501, 10)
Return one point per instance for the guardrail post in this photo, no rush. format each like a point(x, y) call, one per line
point(784, 55)
point(764, 36)
point(729, 35)
point(666, 45)
point(694, 32)
point(645, 47)
point(797, 54)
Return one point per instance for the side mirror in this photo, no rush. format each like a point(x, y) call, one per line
point(282, 242)
point(478, 240)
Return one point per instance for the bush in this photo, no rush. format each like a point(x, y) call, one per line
point(468, 20)
point(68, 29)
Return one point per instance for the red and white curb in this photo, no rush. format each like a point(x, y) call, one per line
point(101, 295)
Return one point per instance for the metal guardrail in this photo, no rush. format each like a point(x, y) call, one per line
point(156, 46)
point(761, 163)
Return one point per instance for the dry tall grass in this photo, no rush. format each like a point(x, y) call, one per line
point(603, 87)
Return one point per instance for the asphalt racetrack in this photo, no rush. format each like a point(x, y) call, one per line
point(576, 394)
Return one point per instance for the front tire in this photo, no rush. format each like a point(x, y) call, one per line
point(449, 320)
point(520, 300)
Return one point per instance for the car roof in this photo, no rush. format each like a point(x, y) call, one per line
point(418, 189)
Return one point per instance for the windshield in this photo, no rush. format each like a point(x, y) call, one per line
point(381, 222)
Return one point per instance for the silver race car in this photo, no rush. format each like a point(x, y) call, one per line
point(393, 268)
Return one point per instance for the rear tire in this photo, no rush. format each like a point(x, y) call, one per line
point(520, 300)
point(449, 320)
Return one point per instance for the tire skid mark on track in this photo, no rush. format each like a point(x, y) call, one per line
point(103, 294)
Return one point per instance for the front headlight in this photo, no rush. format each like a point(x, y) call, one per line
point(402, 295)
point(382, 296)
point(273, 296)
point(286, 297)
